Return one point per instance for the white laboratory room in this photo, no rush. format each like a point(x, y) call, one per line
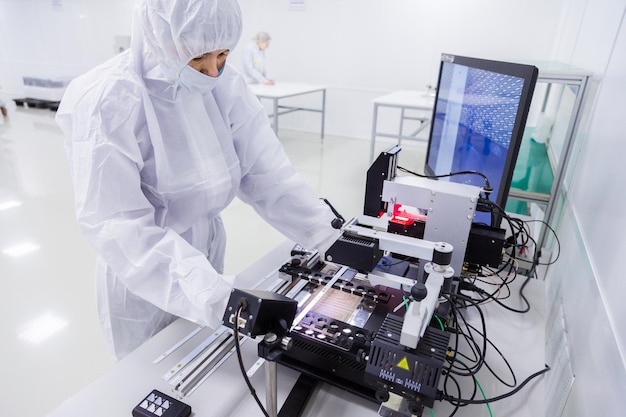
point(401, 208)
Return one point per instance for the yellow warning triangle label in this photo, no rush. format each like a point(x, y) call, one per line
point(404, 364)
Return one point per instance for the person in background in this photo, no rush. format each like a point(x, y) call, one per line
point(161, 138)
point(253, 60)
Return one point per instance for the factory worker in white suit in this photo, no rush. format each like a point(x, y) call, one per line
point(253, 65)
point(161, 138)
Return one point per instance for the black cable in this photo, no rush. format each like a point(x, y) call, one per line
point(455, 326)
point(557, 241)
point(468, 286)
point(475, 360)
point(458, 387)
point(472, 301)
point(452, 359)
point(499, 397)
point(241, 367)
point(537, 250)
point(499, 287)
point(503, 213)
point(508, 263)
point(475, 390)
point(332, 208)
point(480, 291)
point(487, 187)
point(458, 331)
point(510, 277)
point(480, 353)
point(528, 239)
point(503, 358)
point(339, 220)
point(453, 368)
point(458, 370)
point(522, 231)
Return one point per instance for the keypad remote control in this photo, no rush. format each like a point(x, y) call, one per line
point(159, 404)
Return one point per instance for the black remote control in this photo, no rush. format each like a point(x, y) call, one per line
point(159, 404)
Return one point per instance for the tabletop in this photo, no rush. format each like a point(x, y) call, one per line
point(408, 98)
point(284, 89)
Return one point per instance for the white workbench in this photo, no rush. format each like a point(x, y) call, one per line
point(224, 393)
point(403, 100)
point(283, 90)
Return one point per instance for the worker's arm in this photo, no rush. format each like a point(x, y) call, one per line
point(269, 182)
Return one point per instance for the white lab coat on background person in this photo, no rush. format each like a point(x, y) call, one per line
point(157, 151)
point(253, 64)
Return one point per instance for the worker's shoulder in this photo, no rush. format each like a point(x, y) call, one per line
point(251, 47)
point(111, 80)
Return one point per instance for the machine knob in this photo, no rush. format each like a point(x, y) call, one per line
point(442, 253)
point(296, 261)
point(419, 291)
point(336, 223)
point(286, 343)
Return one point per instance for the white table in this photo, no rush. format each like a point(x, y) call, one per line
point(224, 393)
point(404, 100)
point(283, 90)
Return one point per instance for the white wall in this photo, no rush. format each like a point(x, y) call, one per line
point(57, 38)
point(588, 279)
point(361, 49)
point(395, 44)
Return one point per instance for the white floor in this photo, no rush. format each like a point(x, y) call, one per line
point(52, 287)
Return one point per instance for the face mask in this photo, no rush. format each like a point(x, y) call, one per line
point(196, 81)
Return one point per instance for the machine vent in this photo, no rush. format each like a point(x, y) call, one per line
point(325, 354)
point(425, 374)
point(356, 240)
point(390, 330)
point(434, 344)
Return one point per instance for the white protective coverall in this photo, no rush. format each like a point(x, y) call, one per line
point(253, 64)
point(157, 152)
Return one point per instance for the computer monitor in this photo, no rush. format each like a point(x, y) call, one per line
point(478, 121)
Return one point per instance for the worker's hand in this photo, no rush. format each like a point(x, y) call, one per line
point(268, 81)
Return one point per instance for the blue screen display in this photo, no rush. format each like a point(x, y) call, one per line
point(473, 124)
